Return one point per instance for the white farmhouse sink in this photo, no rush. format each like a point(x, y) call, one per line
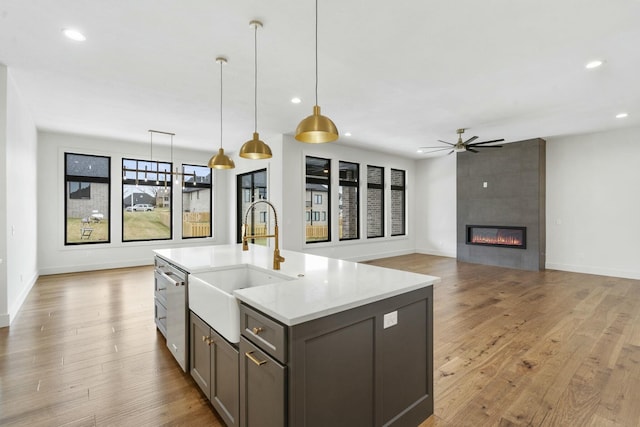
point(211, 295)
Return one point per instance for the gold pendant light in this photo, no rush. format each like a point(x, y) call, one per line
point(316, 128)
point(255, 148)
point(221, 160)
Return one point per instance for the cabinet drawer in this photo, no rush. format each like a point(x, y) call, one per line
point(161, 317)
point(160, 287)
point(264, 332)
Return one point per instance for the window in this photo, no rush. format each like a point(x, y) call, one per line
point(88, 199)
point(349, 209)
point(146, 200)
point(397, 202)
point(317, 182)
point(252, 186)
point(375, 201)
point(196, 201)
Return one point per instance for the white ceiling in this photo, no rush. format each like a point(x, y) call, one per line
point(396, 74)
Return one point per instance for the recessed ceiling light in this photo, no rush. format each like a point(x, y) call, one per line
point(347, 134)
point(296, 100)
point(622, 115)
point(594, 64)
point(419, 151)
point(72, 34)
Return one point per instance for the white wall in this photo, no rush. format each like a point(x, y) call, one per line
point(593, 203)
point(293, 229)
point(4, 306)
point(436, 206)
point(19, 196)
point(55, 257)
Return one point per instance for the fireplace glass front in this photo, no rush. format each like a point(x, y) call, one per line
point(502, 236)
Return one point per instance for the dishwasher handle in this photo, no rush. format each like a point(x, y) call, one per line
point(166, 275)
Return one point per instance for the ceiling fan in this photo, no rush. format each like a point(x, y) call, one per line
point(461, 146)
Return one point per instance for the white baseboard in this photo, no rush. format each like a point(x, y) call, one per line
point(91, 267)
point(379, 255)
point(588, 269)
point(4, 320)
point(425, 251)
point(15, 308)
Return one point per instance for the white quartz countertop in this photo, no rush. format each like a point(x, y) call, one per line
point(321, 286)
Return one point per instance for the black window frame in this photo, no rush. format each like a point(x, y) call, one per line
point(241, 198)
point(403, 189)
point(322, 180)
point(380, 187)
point(354, 184)
point(200, 185)
point(68, 178)
point(141, 179)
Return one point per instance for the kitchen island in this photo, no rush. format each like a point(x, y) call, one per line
point(336, 343)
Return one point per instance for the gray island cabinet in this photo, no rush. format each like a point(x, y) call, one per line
point(343, 344)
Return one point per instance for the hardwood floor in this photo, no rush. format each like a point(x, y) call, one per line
point(519, 348)
point(84, 351)
point(512, 348)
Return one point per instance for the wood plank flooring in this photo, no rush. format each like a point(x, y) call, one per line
point(519, 348)
point(512, 348)
point(84, 351)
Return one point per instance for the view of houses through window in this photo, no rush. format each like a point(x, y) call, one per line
point(349, 208)
point(196, 201)
point(87, 201)
point(398, 202)
point(146, 200)
point(317, 201)
point(375, 201)
point(252, 186)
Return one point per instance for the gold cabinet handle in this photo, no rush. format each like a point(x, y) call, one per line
point(251, 357)
point(257, 330)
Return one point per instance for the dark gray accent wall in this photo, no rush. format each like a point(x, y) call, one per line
point(514, 196)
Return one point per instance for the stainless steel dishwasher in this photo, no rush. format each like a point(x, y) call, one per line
point(173, 281)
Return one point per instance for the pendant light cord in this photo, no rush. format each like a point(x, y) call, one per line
point(255, 79)
point(316, 52)
point(221, 62)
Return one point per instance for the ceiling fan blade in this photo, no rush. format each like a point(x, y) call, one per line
point(473, 138)
point(487, 142)
point(472, 150)
point(438, 146)
point(434, 151)
point(445, 142)
point(450, 152)
point(486, 146)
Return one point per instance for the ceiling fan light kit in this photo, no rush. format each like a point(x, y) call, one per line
point(461, 146)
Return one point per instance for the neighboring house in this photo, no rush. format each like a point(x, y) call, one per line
point(138, 198)
point(196, 199)
point(163, 198)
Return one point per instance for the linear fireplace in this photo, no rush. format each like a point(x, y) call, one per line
point(501, 236)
